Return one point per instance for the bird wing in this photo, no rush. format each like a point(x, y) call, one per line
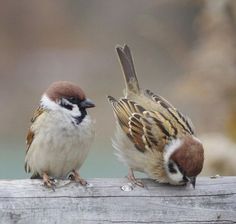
point(31, 134)
point(182, 123)
point(148, 130)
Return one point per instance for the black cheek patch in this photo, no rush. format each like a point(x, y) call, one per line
point(185, 179)
point(171, 168)
point(80, 118)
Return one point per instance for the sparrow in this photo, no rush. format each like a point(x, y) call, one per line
point(152, 136)
point(60, 135)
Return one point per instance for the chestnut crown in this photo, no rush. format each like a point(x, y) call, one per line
point(64, 89)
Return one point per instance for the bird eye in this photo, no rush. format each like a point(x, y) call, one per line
point(65, 104)
point(72, 99)
point(171, 168)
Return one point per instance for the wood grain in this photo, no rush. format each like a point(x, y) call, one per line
point(103, 201)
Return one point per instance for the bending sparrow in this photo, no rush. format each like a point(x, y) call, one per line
point(153, 136)
point(61, 133)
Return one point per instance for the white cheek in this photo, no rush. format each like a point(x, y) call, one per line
point(171, 148)
point(176, 177)
point(75, 111)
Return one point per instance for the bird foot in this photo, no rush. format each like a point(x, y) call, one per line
point(49, 183)
point(74, 176)
point(133, 180)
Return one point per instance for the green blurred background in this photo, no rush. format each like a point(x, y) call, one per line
point(183, 50)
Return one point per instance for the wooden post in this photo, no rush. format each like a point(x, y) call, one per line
point(103, 201)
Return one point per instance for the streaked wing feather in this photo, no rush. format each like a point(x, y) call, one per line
point(182, 123)
point(144, 128)
point(29, 139)
point(158, 99)
point(136, 131)
point(30, 135)
point(128, 114)
point(157, 132)
point(37, 113)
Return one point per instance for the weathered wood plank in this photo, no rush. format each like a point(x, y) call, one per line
point(103, 201)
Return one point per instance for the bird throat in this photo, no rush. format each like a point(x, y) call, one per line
point(79, 119)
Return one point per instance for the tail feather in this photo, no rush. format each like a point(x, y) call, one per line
point(127, 64)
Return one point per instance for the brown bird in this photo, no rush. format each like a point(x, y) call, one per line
point(152, 136)
point(61, 133)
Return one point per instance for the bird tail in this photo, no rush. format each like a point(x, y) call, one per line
point(127, 65)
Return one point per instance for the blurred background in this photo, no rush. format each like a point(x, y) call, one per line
point(183, 50)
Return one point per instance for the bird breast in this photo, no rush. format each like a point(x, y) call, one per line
point(59, 145)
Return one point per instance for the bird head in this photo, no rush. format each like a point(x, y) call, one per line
point(184, 159)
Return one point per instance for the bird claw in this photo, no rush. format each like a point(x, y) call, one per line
point(49, 183)
point(76, 177)
point(139, 183)
point(133, 180)
point(82, 182)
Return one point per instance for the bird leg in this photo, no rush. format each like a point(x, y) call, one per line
point(77, 178)
point(48, 182)
point(133, 180)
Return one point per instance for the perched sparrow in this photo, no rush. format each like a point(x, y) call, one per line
point(61, 133)
point(153, 136)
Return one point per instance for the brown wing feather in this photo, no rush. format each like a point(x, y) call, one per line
point(29, 139)
point(182, 123)
point(144, 128)
point(37, 113)
point(128, 115)
point(136, 132)
point(30, 135)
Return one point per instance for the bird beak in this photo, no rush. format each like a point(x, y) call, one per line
point(87, 103)
point(193, 181)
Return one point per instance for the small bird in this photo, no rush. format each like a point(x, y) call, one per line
point(61, 134)
point(152, 136)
